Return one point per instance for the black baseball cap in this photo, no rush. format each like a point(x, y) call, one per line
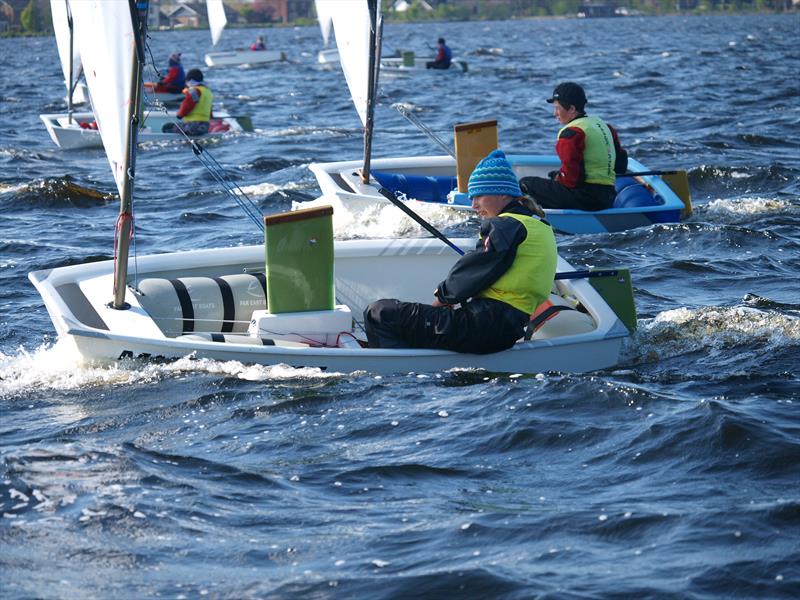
point(569, 94)
point(195, 75)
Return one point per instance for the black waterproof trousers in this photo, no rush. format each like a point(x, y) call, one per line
point(188, 127)
point(551, 194)
point(479, 326)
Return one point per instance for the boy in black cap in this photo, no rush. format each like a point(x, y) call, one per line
point(591, 157)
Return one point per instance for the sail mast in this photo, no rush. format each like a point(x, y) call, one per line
point(138, 12)
point(71, 50)
point(66, 43)
point(376, 25)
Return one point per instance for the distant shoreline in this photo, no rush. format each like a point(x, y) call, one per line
point(312, 23)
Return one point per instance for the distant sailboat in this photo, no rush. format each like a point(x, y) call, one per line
point(216, 23)
point(82, 130)
point(325, 11)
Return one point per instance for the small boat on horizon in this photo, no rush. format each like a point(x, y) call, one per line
point(233, 58)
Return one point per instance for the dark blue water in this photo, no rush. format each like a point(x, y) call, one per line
point(675, 475)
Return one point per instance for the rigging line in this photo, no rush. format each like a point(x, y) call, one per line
point(414, 120)
point(152, 59)
point(231, 186)
point(218, 173)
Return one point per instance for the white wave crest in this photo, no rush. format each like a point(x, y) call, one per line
point(383, 219)
point(60, 367)
point(6, 188)
point(683, 330)
point(265, 189)
point(739, 207)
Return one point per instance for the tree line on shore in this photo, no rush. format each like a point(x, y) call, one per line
point(36, 18)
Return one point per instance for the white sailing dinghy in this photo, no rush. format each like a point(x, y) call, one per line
point(80, 132)
point(216, 22)
point(406, 61)
point(301, 306)
point(642, 200)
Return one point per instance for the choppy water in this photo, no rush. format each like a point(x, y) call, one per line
point(675, 475)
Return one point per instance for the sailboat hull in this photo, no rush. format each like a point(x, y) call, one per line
point(328, 56)
point(77, 299)
point(71, 136)
point(431, 180)
point(243, 57)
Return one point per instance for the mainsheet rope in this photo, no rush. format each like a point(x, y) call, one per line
point(216, 170)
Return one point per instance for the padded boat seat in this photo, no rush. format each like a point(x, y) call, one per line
point(417, 187)
point(634, 194)
point(203, 304)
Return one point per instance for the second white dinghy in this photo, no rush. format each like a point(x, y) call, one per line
point(642, 200)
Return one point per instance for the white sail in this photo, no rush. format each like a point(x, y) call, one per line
point(216, 19)
point(104, 31)
point(58, 9)
point(324, 16)
point(352, 26)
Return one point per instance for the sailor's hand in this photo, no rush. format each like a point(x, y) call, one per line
point(553, 175)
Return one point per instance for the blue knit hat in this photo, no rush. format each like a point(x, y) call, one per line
point(493, 176)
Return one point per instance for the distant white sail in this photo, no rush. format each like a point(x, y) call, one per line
point(104, 31)
point(216, 19)
point(58, 8)
point(324, 16)
point(351, 25)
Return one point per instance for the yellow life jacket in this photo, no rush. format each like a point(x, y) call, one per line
point(528, 281)
point(201, 110)
point(599, 154)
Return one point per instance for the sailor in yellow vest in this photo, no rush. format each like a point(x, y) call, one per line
point(497, 286)
point(195, 110)
point(591, 157)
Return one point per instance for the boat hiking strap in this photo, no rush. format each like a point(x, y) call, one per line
point(538, 320)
